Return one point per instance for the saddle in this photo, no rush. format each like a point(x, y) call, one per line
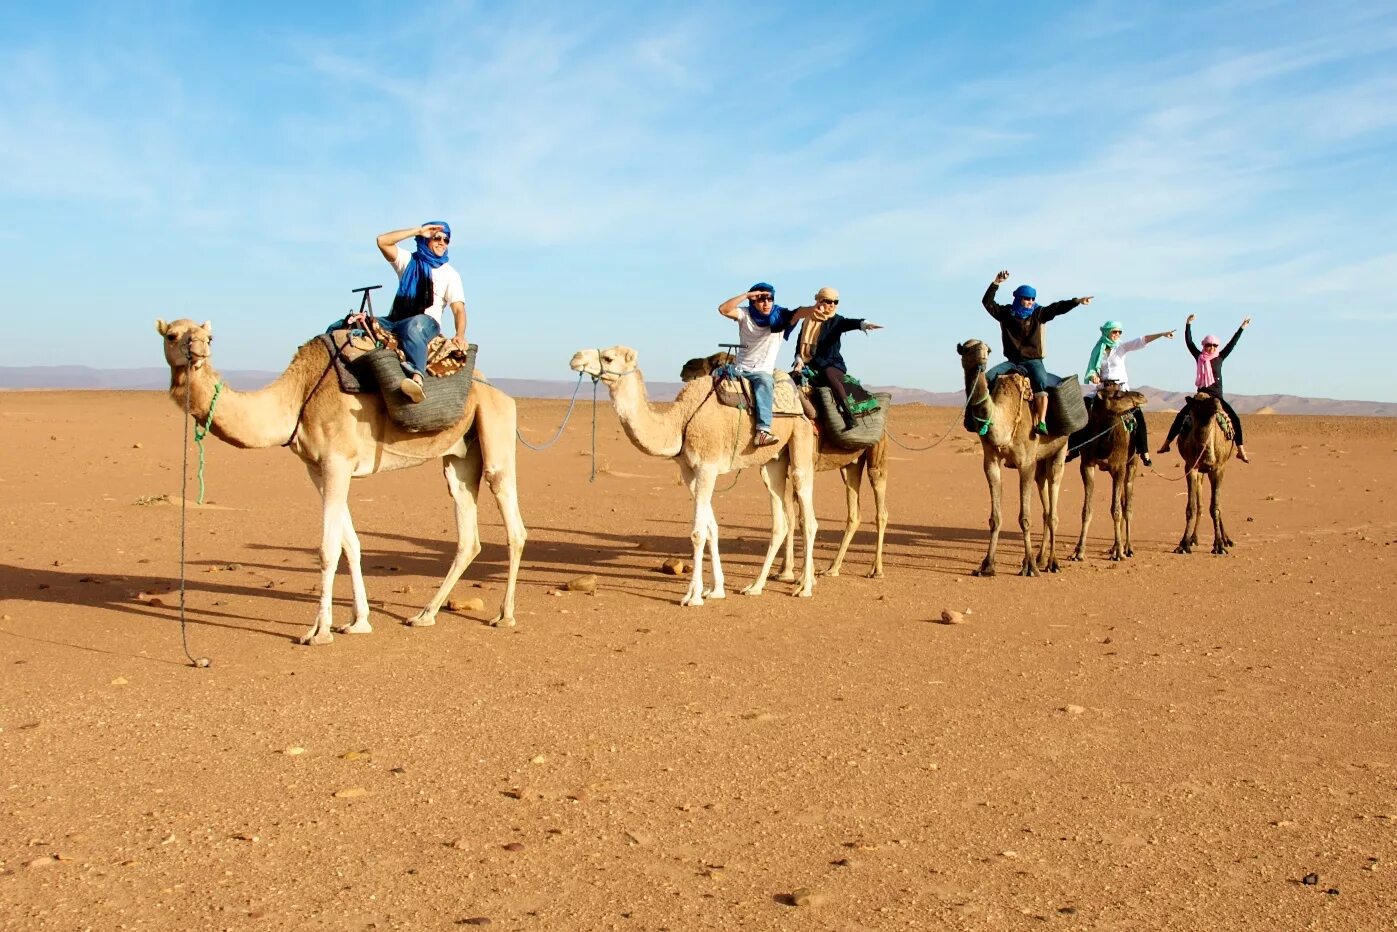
point(869, 423)
point(1067, 410)
point(734, 391)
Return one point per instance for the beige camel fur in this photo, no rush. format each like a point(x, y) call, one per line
point(1009, 441)
point(1206, 451)
point(1108, 448)
point(707, 440)
point(851, 465)
point(342, 437)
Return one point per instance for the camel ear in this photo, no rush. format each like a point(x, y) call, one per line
point(960, 348)
point(208, 327)
point(628, 358)
point(161, 327)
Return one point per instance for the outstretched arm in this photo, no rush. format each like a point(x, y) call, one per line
point(388, 242)
point(1058, 308)
point(1151, 337)
point(991, 305)
point(1235, 337)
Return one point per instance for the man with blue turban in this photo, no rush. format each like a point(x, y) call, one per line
point(1021, 325)
point(761, 324)
point(426, 285)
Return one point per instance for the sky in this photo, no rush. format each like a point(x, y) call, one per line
point(614, 171)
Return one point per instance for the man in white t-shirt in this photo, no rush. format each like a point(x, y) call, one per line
point(426, 285)
point(761, 326)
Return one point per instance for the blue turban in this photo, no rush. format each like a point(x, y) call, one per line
point(415, 285)
point(1025, 291)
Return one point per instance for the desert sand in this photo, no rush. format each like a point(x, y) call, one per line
point(1171, 742)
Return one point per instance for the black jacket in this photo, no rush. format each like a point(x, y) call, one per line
point(827, 348)
point(1216, 387)
point(1023, 338)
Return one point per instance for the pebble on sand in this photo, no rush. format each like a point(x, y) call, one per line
point(1073, 709)
point(674, 567)
point(952, 617)
point(466, 605)
point(351, 792)
point(586, 583)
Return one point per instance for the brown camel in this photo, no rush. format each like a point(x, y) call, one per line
point(1205, 448)
point(1008, 440)
point(1108, 448)
point(341, 437)
point(851, 465)
point(707, 440)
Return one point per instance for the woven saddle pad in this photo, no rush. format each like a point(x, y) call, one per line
point(735, 392)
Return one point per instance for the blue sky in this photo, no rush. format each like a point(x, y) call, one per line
point(613, 171)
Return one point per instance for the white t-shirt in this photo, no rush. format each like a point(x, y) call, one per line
point(446, 284)
point(759, 346)
point(1113, 366)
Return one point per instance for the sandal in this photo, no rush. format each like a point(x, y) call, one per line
point(412, 388)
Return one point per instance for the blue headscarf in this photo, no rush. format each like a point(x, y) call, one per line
point(777, 319)
point(415, 285)
point(1025, 291)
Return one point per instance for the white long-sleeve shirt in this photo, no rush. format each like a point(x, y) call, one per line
point(1113, 366)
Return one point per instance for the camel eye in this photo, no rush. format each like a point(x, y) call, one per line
point(170, 337)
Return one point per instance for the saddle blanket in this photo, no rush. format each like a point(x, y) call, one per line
point(346, 346)
point(735, 392)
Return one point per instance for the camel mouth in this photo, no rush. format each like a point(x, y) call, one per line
point(586, 365)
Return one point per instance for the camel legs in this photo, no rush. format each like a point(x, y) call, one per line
point(1128, 503)
point(802, 475)
point(1220, 539)
point(701, 482)
point(993, 476)
point(332, 480)
point(463, 482)
point(1088, 487)
point(878, 478)
point(852, 474)
point(1026, 484)
point(495, 431)
point(1048, 476)
point(774, 478)
point(1195, 495)
point(349, 540)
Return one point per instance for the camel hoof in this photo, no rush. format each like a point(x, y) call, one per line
point(1220, 551)
point(1052, 567)
point(787, 576)
point(754, 589)
point(1028, 570)
point(832, 571)
point(802, 593)
point(502, 622)
point(874, 574)
point(1182, 548)
point(691, 601)
point(984, 571)
point(1077, 557)
point(358, 627)
point(316, 638)
point(715, 594)
point(421, 620)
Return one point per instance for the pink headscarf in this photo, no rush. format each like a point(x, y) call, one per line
point(1205, 364)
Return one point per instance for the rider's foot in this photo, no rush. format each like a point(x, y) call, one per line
point(1041, 428)
point(412, 388)
point(1163, 449)
point(1242, 455)
point(764, 439)
point(1145, 458)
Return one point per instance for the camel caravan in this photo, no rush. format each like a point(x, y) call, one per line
point(373, 394)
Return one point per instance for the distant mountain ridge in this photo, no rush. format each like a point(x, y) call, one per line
point(158, 378)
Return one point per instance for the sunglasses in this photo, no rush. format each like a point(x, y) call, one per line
point(764, 297)
point(440, 239)
point(1210, 346)
point(834, 301)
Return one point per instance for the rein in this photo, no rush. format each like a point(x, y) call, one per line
point(300, 415)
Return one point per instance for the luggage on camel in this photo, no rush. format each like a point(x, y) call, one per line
point(368, 360)
point(870, 417)
point(1067, 412)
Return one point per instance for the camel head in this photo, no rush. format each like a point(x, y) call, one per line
point(186, 343)
point(974, 354)
point(1117, 402)
point(605, 365)
point(705, 365)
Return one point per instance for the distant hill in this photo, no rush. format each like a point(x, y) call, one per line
point(158, 378)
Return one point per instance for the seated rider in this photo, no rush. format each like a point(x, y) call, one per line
point(818, 347)
point(1208, 378)
point(1107, 364)
point(426, 284)
point(1021, 325)
point(760, 325)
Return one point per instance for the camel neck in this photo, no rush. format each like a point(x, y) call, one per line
point(250, 420)
point(657, 433)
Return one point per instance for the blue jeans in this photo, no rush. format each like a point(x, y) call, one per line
point(414, 334)
point(764, 393)
point(1038, 376)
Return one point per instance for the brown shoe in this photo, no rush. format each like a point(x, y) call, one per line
point(764, 439)
point(1242, 455)
point(412, 388)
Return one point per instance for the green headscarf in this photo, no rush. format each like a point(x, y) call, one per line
point(1098, 352)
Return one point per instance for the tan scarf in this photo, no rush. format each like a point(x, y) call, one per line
point(809, 337)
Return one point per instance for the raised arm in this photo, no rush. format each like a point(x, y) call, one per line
point(729, 307)
point(1188, 337)
point(994, 307)
point(388, 242)
point(1235, 337)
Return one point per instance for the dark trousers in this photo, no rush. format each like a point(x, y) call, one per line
point(834, 378)
point(1178, 424)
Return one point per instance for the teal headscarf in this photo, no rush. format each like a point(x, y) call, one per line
point(1098, 352)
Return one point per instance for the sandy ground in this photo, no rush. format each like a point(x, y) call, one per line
point(1174, 742)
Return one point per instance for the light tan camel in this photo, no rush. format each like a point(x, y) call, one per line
point(341, 437)
point(1008, 440)
point(1107, 447)
point(851, 465)
point(1205, 449)
point(707, 440)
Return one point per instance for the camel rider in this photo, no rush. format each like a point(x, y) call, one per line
point(1021, 325)
point(818, 347)
point(1208, 378)
point(426, 284)
point(761, 322)
point(1107, 364)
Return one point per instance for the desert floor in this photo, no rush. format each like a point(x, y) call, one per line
point(1171, 742)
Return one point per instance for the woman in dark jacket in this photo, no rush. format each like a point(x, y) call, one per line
point(818, 347)
point(1208, 378)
